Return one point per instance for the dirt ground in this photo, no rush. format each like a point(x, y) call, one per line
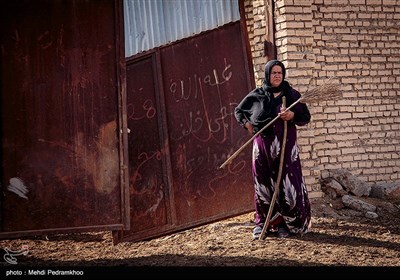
point(338, 238)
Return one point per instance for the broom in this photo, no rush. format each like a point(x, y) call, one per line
point(278, 179)
point(327, 91)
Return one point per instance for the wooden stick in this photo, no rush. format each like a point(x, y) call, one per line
point(235, 154)
point(278, 179)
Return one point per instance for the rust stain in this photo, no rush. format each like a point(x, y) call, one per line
point(107, 149)
point(97, 163)
point(102, 160)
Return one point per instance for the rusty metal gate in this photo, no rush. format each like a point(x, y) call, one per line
point(180, 101)
point(65, 118)
point(62, 146)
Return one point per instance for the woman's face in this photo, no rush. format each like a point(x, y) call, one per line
point(275, 77)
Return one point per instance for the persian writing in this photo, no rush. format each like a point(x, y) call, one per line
point(202, 108)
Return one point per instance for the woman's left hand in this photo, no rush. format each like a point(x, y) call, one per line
point(286, 116)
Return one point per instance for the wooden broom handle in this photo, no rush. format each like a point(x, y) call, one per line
point(278, 179)
point(235, 154)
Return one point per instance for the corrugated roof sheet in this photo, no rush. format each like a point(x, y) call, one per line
point(152, 23)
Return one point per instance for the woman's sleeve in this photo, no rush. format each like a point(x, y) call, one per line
point(302, 115)
point(239, 112)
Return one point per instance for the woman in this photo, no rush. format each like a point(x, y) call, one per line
point(292, 212)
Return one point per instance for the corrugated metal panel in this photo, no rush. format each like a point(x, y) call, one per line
point(152, 23)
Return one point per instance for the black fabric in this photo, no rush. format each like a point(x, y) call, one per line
point(257, 107)
point(267, 83)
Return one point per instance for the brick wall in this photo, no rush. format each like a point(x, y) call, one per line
point(358, 43)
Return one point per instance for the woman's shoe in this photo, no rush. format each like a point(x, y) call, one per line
point(257, 232)
point(283, 231)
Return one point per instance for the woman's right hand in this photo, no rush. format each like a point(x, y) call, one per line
point(249, 127)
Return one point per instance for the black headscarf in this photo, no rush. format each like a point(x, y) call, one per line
point(267, 84)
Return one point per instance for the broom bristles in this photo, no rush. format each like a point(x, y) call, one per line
point(328, 91)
